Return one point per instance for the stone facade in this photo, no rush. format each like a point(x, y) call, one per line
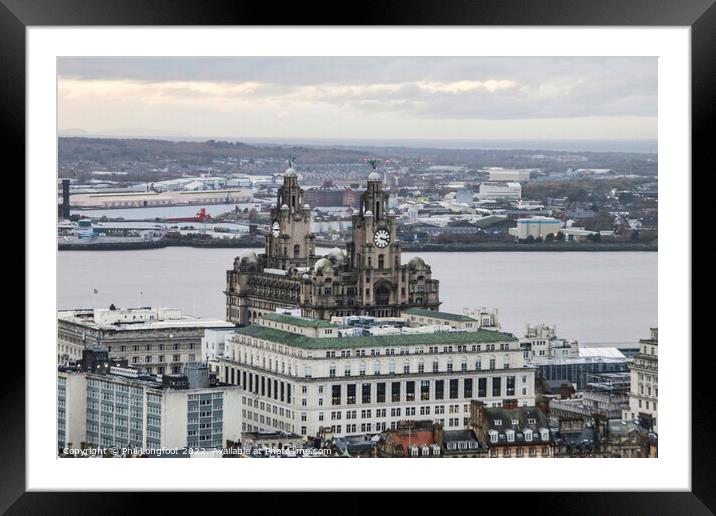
point(367, 278)
point(644, 391)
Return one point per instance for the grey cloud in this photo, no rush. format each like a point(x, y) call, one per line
point(597, 86)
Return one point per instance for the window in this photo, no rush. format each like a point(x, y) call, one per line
point(424, 390)
point(395, 391)
point(439, 389)
point(351, 393)
point(335, 394)
point(380, 394)
point(435, 366)
point(467, 388)
point(482, 387)
point(454, 389)
point(496, 387)
point(365, 393)
point(410, 391)
point(510, 385)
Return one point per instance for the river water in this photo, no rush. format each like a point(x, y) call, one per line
point(590, 296)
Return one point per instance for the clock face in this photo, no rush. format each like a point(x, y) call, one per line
point(381, 238)
point(275, 229)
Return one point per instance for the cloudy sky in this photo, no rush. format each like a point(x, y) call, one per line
point(363, 97)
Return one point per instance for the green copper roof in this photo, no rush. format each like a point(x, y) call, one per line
point(301, 341)
point(298, 321)
point(424, 312)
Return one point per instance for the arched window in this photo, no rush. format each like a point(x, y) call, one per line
point(382, 295)
point(296, 250)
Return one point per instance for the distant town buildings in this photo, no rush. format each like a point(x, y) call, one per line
point(330, 195)
point(492, 190)
point(509, 174)
point(536, 227)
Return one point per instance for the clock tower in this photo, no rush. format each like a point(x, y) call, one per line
point(289, 242)
point(374, 251)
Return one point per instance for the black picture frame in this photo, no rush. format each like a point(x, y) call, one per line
point(700, 15)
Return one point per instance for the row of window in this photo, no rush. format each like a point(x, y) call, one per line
point(421, 390)
point(449, 367)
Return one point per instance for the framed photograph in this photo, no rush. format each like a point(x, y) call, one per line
point(430, 234)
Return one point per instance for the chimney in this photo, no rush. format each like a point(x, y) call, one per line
point(565, 391)
point(66, 198)
point(438, 434)
point(510, 404)
point(543, 403)
point(477, 413)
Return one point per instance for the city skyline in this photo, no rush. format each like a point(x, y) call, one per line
point(360, 97)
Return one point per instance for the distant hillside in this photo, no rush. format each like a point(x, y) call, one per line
point(148, 150)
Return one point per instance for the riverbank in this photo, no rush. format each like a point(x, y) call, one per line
point(227, 243)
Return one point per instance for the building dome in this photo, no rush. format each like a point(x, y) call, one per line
point(368, 213)
point(416, 263)
point(336, 253)
point(323, 264)
point(250, 256)
point(290, 172)
point(374, 176)
point(284, 207)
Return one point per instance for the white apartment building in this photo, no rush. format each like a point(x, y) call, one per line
point(541, 341)
point(490, 190)
point(125, 410)
point(298, 375)
point(644, 390)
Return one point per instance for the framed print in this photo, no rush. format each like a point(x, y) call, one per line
point(430, 234)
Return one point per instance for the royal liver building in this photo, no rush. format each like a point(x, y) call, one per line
point(367, 278)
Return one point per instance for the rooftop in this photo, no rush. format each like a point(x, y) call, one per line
point(298, 321)
point(424, 312)
point(137, 319)
point(301, 341)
